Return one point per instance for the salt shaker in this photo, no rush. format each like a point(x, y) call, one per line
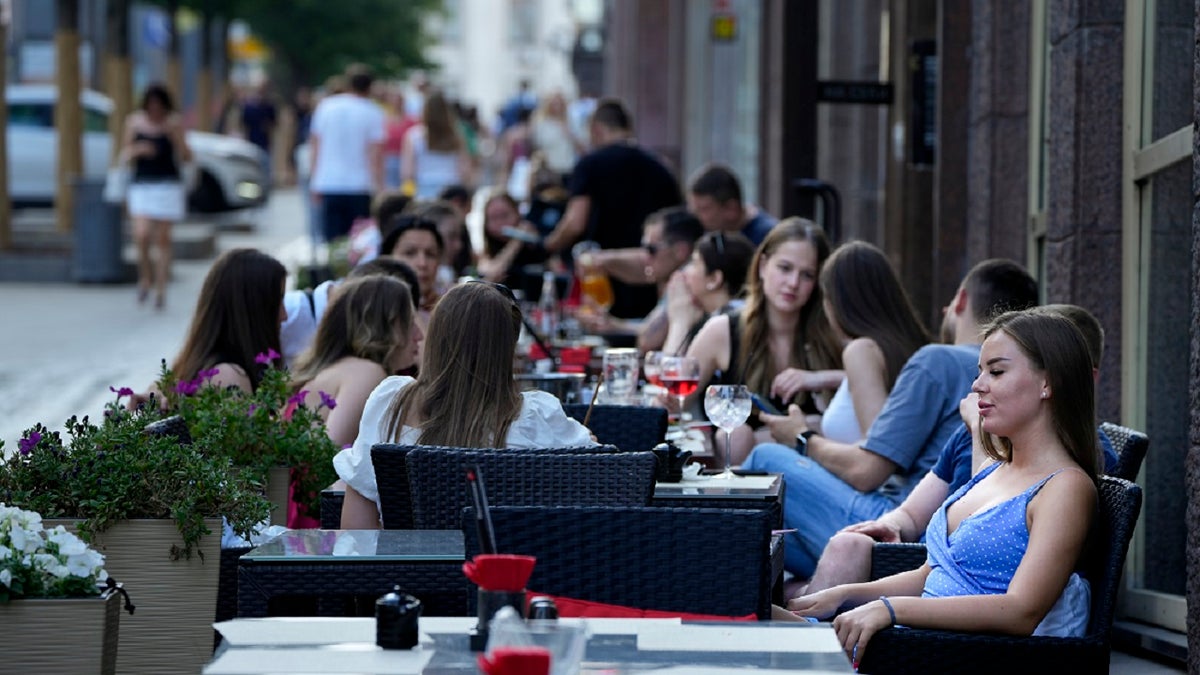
point(542, 608)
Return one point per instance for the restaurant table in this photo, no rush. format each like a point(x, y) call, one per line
point(332, 565)
point(347, 645)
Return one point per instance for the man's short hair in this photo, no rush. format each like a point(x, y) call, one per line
point(387, 205)
point(679, 225)
point(717, 182)
point(997, 285)
point(611, 113)
point(455, 193)
point(1088, 325)
point(360, 78)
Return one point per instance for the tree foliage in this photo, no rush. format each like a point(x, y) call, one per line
point(314, 39)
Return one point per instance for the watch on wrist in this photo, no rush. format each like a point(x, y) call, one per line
point(802, 441)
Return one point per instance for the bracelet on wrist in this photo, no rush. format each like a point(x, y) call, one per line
point(888, 604)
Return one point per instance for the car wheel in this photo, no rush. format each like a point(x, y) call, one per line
point(207, 197)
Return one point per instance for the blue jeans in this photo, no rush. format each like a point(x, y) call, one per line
point(817, 503)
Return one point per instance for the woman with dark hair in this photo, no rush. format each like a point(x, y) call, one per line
point(504, 255)
point(1004, 547)
point(780, 345)
point(154, 143)
point(710, 283)
point(416, 241)
point(366, 334)
point(873, 317)
point(464, 396)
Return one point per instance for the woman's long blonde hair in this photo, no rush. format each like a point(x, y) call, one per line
point(465, 395)
point(441, 125)
point(361, 321)
point(814, 347)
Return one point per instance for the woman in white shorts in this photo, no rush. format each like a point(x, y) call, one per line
point(155, 146)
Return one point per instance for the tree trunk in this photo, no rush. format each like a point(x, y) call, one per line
point(204, 81)
point(118, 71)
point(174, 69)
point(68, 114)
point(5, 209)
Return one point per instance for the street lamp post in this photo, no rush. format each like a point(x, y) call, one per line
point(68, 114)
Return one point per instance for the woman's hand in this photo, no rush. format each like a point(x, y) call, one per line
point(681, 306)
point(822, 604)
point(855, 627)
point(785, 428)
point(968, 409)
point(792, 381)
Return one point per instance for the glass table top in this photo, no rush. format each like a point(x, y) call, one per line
point(310, 546)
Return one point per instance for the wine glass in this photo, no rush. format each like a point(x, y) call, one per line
point(593, 282)
point(728, 407)
point(681, 376)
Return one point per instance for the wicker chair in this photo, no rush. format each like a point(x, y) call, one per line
point(1131, 449)
point(911, 650)
point(889, 559)
point(630, 428)
point(437, 484)
point(695, 560)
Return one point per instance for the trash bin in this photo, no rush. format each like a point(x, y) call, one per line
point(98, 236)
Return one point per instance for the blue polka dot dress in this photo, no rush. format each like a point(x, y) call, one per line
point(982, 555)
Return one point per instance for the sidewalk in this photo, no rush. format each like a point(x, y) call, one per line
point(65, 344)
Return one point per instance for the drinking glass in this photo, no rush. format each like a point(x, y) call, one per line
point(652, 368)
point(593, 282)
point(681, 376)
point(728, 407)
point(620, 374)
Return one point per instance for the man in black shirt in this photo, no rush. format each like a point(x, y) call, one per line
point(613, 189)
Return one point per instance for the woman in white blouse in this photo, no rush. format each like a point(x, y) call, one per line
point(464, 396)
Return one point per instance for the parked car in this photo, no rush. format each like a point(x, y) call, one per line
point(228, 176)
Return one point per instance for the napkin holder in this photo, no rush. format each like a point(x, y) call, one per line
point(671, 460)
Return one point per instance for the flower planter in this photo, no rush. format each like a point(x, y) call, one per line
point(60, 635)
point(171, 631)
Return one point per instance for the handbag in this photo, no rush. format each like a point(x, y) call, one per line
point(116, 184)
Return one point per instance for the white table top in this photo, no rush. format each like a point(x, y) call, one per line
point(347, 645)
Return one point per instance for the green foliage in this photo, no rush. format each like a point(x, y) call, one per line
point(319, 38)
point(269, 428)
point(116, 471)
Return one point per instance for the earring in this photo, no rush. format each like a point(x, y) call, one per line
point(1045, 394)
point(711, 287)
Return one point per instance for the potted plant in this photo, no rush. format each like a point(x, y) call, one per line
point(269, 432)
point(52, 584)
point(153, 507)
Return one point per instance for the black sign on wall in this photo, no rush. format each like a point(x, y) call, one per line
point(842, 91)
point(922, 128)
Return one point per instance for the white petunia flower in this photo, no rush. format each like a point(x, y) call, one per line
point(5, 577)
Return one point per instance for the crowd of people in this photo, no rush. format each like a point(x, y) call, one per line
point(983, 443)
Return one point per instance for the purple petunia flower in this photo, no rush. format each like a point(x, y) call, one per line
point(251, 409)
point(27, 444)
point(207, 374)
point(298, 397)
point(122, 392)
point(187, 388)
point(327, 400)
point(266, 359)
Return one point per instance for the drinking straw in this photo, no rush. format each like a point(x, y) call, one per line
point(595, 394)
point(483, 515)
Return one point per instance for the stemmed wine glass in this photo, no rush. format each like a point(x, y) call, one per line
point(728, 407)
point(681, 376)
point(652, 368)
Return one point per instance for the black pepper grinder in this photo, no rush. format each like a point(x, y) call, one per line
point(396, 618)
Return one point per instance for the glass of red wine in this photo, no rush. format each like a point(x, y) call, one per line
point(681, 376)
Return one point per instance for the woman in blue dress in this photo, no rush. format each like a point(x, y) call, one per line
point(1004, 547)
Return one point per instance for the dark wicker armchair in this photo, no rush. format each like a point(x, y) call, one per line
point(438, 487)
point(910, 650)
point(1131, 449)
point(630, 428)
point(696, 560)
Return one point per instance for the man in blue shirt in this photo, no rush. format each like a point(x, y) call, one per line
point(847, 556)
point(831, 485)
point(715, 196)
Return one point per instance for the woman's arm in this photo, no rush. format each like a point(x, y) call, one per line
point(183, 151)
point(792, 381)
point(408, 155)
point(826, 603)
point(682, 313)
point(231, 375)
point(711, 348)
point(866, 374)
point(358, 512)
point(357, 383)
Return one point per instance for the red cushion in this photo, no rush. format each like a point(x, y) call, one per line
point(571, 607)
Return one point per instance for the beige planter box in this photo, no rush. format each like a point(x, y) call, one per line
point(277, 493)
point(60, 635)
point(176, 600)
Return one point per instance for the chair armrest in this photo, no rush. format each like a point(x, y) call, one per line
point(888, 559)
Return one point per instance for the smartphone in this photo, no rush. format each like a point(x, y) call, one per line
point(521, 235)
point(764, 405)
